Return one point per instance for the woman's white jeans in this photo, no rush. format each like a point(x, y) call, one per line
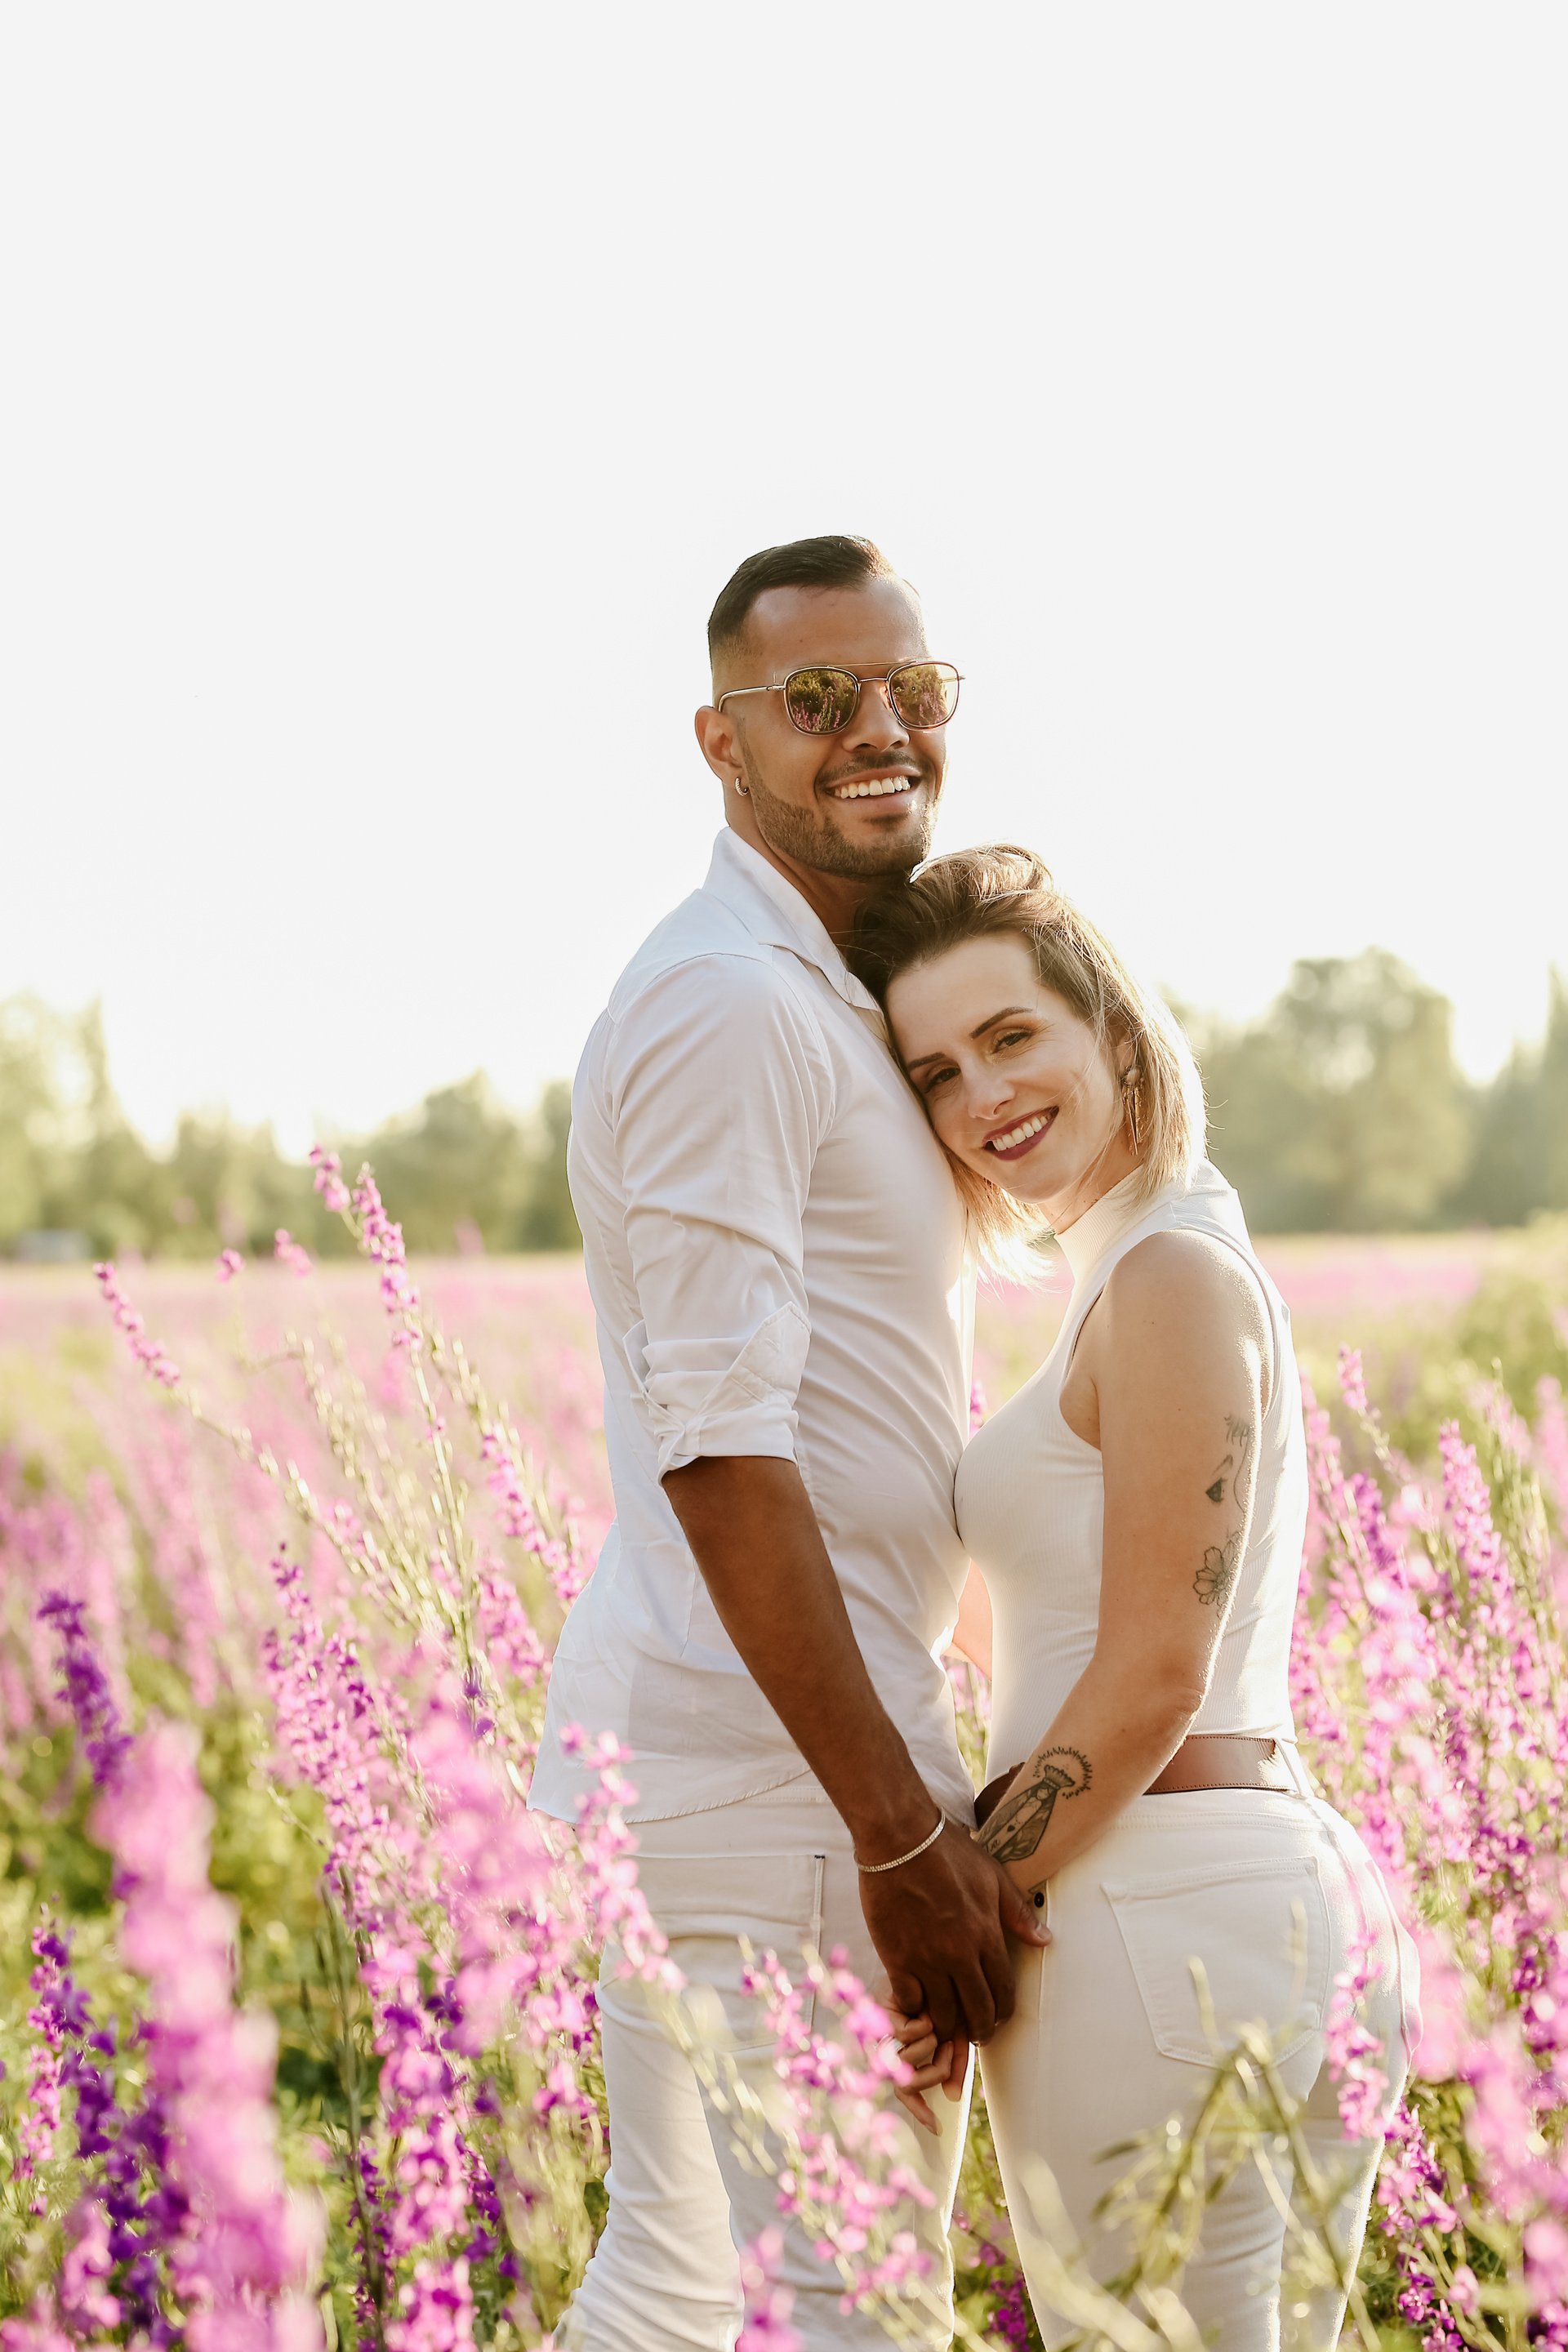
point(778, 1870)
point(1267, 1892)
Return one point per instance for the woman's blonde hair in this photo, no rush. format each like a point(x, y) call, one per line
point(976, 893)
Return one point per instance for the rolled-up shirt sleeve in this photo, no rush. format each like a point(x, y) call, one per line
point(722, 1091)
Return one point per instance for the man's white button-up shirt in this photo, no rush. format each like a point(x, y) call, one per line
point(777, 1256)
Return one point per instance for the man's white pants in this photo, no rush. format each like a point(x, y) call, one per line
point(777, 1870)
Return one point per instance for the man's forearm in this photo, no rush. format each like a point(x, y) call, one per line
point(754, 1537)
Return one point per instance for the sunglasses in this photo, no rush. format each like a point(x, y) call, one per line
point(823, 701)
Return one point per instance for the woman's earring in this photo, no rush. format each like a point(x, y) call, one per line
point(745, 790)
point(1129, 1083)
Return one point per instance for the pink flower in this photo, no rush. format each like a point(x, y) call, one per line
point(1546, 2259)
point(435, 2310)
point(229, 1263)
point(848, 2187)
point(1446, 2028)
point(381, 1239)
point(329, 1178)
point(290, 1253)
point(1503, 2128)
point(147, 1352)
point(254, 2245)
point(515, 1485)
point(1354, 2056)
point(768, 2305)
point(84, 2299)
point(1465, 2290)
point(35, 2330)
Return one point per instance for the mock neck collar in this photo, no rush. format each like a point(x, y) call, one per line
point(774, 912)
point(1088, 1238)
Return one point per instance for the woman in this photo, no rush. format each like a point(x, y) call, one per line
point(1137, 1514)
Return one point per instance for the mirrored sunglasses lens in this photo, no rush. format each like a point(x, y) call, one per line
point(925, 694)
point(821, 701)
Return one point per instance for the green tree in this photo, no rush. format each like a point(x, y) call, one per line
point(549, 1222)
point(70, 1161)
point(1342, 1109)
point(28, 1116)
point(1520, 1160)
point(1554, 1098)
point(459, 1159)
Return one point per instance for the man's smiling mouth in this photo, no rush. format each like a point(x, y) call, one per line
point(861, 788)
point(1016, 1140)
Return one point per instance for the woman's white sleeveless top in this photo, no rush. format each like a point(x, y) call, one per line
point(1031, 1502)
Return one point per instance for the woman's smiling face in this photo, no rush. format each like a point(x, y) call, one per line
point(1016, 1084)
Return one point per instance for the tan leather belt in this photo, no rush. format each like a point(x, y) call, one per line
point(1223, 1760)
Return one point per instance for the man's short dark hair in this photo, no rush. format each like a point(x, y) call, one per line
point(831, 561)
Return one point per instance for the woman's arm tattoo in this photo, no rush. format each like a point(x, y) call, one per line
point(1215, 1579)
point(1231, 1483)
point(1023, 1815)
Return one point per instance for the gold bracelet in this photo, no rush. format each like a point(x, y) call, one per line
point(871, 1868)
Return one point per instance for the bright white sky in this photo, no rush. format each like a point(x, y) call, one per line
point(388, 392)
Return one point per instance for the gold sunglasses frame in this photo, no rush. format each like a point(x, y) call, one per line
point(826, 734)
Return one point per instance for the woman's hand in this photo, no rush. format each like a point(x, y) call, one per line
point(933, 2062)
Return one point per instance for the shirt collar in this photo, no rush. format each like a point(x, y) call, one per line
point(775, 913)
point(1085, 1241)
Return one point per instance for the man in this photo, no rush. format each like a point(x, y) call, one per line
point(775, 1251)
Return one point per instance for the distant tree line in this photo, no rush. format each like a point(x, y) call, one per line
point(461, 1171)
point(1342, 1109)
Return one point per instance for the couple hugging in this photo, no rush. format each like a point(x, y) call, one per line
point(826, 1086)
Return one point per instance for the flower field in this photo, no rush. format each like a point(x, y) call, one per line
point(297, 2022)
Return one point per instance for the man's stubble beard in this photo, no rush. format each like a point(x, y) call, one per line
point(812, 839)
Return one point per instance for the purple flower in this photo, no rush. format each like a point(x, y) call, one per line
point(84, 1688)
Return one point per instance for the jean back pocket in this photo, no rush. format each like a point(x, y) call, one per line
point(1255, 1934)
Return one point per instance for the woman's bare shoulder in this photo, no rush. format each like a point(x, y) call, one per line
point(1174, 1278)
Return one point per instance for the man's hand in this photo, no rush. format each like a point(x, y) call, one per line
point(939, 1925)
point(991, 1796)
